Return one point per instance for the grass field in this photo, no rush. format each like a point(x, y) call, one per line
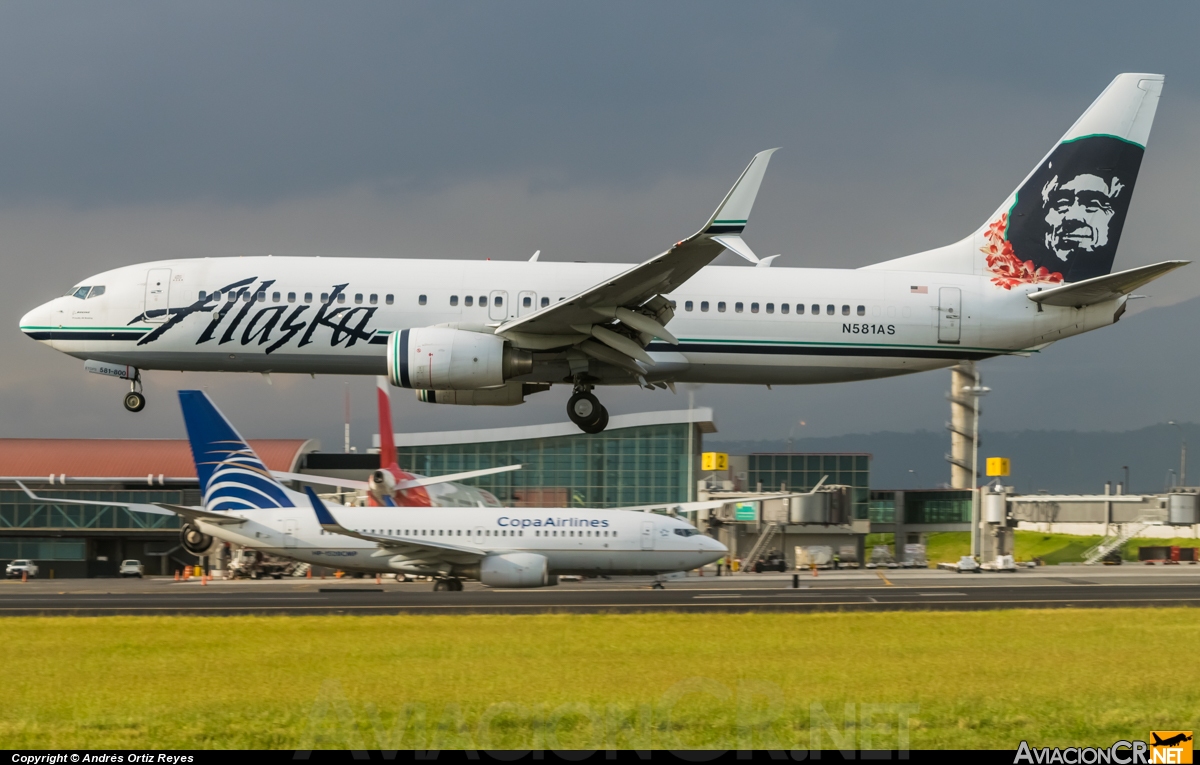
point(967, 679)
point(949, 546)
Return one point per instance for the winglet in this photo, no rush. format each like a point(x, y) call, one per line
point(324, 517)
point(727, 223)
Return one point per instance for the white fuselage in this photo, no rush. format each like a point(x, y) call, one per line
point(573, 541)
point(732, 322)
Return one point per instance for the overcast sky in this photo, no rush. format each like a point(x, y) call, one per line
point(602, 131)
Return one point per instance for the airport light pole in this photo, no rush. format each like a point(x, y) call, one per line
point(1182, 455)
point(976, 392)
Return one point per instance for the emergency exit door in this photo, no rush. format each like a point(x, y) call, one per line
point(949, 315)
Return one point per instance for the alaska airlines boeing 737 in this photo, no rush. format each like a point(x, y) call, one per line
point(245, 505)
point(486, 332)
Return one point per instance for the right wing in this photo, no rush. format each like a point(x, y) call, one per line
point(614, 321)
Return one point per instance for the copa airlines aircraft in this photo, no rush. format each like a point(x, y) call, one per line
point(245, 505)
point(486, 332)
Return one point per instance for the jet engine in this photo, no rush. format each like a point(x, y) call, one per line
point(509, 394)
point(382, 483)
point(515, 570)
point(196, 541)
point(440, 358)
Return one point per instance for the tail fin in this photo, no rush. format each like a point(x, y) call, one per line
point(232, 476)
point(1064, 221)
point(387, 443)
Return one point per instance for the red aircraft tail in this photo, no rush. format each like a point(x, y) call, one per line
point(387, 442)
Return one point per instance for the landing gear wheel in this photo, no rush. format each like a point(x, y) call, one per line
point(135, 401)
point(456, 585)
point(599, 425)
point(441, 585)
point(584, 409)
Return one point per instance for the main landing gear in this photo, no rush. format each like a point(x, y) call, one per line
point(586, 411)
point(448, 585)
point(135, 401)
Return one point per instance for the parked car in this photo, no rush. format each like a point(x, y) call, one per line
point(131, 568)
point(21, 566)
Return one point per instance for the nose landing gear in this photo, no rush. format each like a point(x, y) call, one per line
point(586, 411)
point(135, 400)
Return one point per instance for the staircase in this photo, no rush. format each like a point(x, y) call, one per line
point(1125, 532)
point(300, 569)
point(764, 538)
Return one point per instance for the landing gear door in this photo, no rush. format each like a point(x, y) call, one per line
point(647, 535)
point(498, 306)
point(949, 315)
point(158, 289)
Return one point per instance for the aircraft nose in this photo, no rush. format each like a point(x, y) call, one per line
point(36, 324)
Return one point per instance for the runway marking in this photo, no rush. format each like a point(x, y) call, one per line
point(939, 594)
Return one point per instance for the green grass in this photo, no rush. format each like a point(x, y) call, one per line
point(966, 679)
point(1052, 549)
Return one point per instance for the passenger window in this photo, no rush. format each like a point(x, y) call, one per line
point(482, 301)
point(770, 307)
point(389, 299)
point(341, 297)
point(261, 297)
point(704, 306)
point(422, 300)
point(545, 302)
point(204, 294)
point(754, 308)
point(830, 309)
point(737, 307)
point(799, 309)
point(324, 298)
point(845, 310)
point(721, 307)
point(526, 302)
point(307, 297)
point(291, 297)
point(245, 296)
point(783, 307)
point(374, 299)
point(862, 310)
point(687, 305)
point(276, 297)
point(499, 301)
point(454, 300)
point(358, 298)
point(816, 310)
point(468, 301)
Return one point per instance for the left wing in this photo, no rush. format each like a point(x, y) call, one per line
point(410, 547)
point(348, 483)
point(625, 313)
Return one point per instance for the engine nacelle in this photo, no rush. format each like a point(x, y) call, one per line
point(382, 483)
point(509, 394)
point(440, 358)
point(196, 541)
point(514, 570)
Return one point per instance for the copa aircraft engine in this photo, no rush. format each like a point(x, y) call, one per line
point(196, 541)
point(514, 570)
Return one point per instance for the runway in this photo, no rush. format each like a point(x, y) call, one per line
point(903, 590)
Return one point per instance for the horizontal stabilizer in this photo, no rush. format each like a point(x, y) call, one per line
point(1100, 289)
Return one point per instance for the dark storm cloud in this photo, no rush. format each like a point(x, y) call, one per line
point(132, 102)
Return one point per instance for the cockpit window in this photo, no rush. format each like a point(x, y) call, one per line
point(96, 292)
point(80, 293)
point(687, 532)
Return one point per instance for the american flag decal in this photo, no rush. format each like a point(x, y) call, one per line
point(919, 290)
